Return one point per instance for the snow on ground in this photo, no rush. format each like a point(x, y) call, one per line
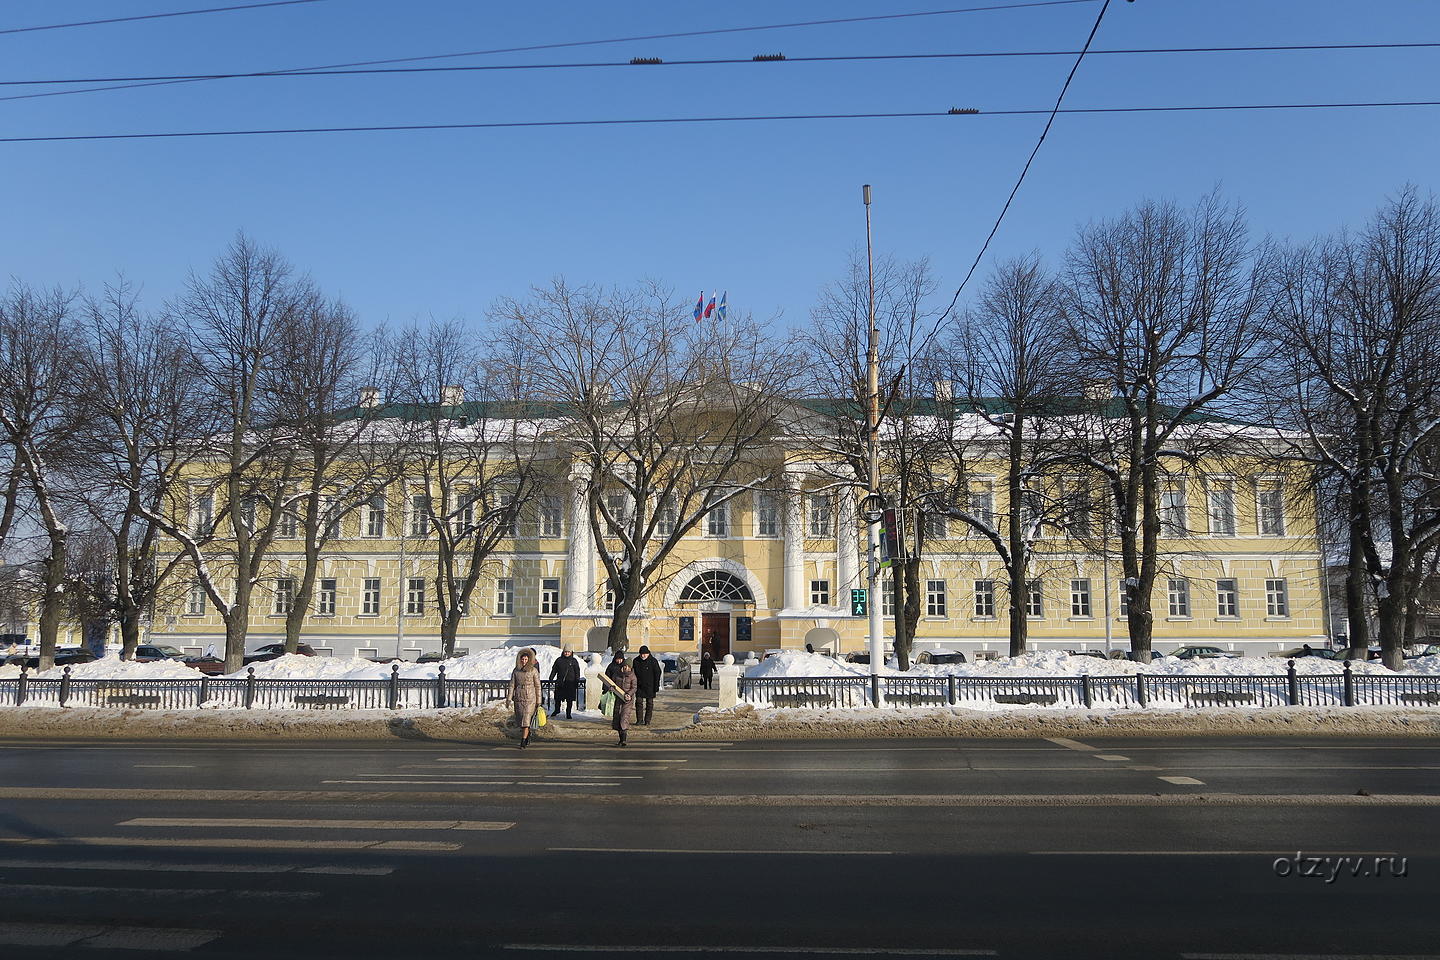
point(113, 668)
point(493, 664)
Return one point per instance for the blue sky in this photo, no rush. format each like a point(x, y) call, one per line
point(410, 224)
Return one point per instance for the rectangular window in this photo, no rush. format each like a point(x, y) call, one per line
point(767, 515)
point(982, 506)
point(463, 520)
point(287, 526)
point(1179, 597)
point(609, 602)
point(1080, 598)
point(717, 520)
point(552, 518)
point(375, 517)
point(550, 597)
point(618, 506)
point(247, 511)
point(1035, 600)
point(665, 515)
point(195, 603)
point(1227, 598)
point(819, 593)
point(420, 515)
point(1277, 598)
point(935, 605)
point(284, 596)
point(415, 597)
point(1222, 511)
point(202, 523)
point(370, 597)
point(1124, 602)
point(331, 517)
point(935, 526)
point(325, 597)
point(505, 597)
point(985, 599)
point(1172, 512)
point(1270, 511)
point(822, 522)
point(887, 597)
point(1078, 508)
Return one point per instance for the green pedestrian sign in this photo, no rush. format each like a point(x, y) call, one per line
point(858, 602)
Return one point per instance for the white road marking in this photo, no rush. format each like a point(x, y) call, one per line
point(63, 889)
point(648, 948)
point(95, 936)
point(243, 843)
point(541, 783)
point(447, 783)
point(167, 766)
point(448, 777)
point(541, 759)
point(160, 866)
point(1072, 744)
point(1141, 766)
point(1207, 853)
point(1110, 756)
point(1183, 781)
point(798, 853)
point(226, 822)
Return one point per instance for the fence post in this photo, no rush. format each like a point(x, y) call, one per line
point(875, 690)
point(204, 690)
point(441, 694)
point(1292, 683)
point(394, 689)
point(65, 687)
point(728, 687)
point(250, 688)
point(22, 687)
point(951, 689)
point(1087, 690)
point(1142, 693)
point(1349, 679)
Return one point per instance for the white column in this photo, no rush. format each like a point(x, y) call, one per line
point(791, 514)
point(579, 549)
point(847, 547)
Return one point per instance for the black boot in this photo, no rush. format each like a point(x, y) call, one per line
point(525, 741)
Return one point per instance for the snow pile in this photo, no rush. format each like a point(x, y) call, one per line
point(492, 664)
point(113, 668)
point(293, 666)
point(800, 664)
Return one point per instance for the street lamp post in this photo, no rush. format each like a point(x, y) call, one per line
point(872, 449)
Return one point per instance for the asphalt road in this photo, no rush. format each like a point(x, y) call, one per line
point(1016, 848)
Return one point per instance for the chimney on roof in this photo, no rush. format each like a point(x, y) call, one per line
point(944, 390)
point(1098, 390)
point(452, 395)
point(370, 397)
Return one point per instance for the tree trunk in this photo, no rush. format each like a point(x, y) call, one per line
point(911, 609)
point(52, 603)
point(236, 627)
point(1356, 578)
point(900, 597)
point(129, 634)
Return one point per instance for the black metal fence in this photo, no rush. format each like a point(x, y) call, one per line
point(390, 693)
point(1135, 691)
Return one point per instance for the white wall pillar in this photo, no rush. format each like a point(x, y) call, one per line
point(791, 520)
point(847, 547)
point(727, 675)
point(579, 548)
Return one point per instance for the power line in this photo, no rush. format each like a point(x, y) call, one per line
point(590, 43)
point(638, 121)
point(158, 16)
point(724, 61)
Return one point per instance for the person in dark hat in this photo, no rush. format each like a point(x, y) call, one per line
point(613, 668)
point(647, 685)
point(566, 674)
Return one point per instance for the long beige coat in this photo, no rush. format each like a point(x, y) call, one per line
point(525, 695)
point(624, 714)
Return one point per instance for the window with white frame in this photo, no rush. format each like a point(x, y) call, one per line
point(287, 525)
point(325, 591)
point(1124, 604)
point(195, 603)
point(284, 598)
point(420, 515)
point(717, 519)
point(1035, 599)
point(935, 599)
point(247, 511)
point(608, 601)
point(935, 526)
point(1172, 512)
point(1277, 598)
point(1227, 598)
point(505, 597)
point(550, 597)
point(1080, 598)
point(415, 596)
point(330, 515)
point(1032, 512)
point(370, 597)
point(887, 597)
point(202, 520)
point(822, 520)
point(982, 505)
point(1179, 597)
point(1078, 508)
point(552, 517)
point(819, 593)
point(1221, 498)
point(375, 516)
point(985, 599)
point(767, 515)
point(1270, 510)
point(666, 518)
point(462, 521)
point(617, 505)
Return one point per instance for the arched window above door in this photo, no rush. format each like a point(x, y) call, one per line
point(716, 585)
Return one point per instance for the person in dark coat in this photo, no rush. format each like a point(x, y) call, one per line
point(624, 713)
point(707, 669)
point(647, 685)
point(566, 674)
point(613, 668)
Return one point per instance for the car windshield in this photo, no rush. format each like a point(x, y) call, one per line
point(167, 651)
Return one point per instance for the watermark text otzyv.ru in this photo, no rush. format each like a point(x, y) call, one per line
point(1331, 868)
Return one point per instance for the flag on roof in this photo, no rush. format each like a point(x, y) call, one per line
point(720, 312)
point(709, 307)
point(700, 306)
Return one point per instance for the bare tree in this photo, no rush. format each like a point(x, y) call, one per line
point(36, 369)
point(670, 420)
point(1167, 310)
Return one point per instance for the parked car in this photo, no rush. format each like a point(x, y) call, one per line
point(1100, 654)
point(938, 657)
point(151, 652)
point(431, 658)
point(1428, 650)
point(70, 656)
point(29, 661)
point(210, 666)
point(272, 651)
point(1195, 652)
point(1324, 653)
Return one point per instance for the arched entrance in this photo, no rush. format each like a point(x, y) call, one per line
point(823, 639)
point(714, 592)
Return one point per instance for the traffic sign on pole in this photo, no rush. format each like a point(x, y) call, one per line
point(859, 602)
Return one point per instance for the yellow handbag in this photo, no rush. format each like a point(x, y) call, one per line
point(540, 717)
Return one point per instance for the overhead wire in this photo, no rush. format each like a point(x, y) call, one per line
point(721, 61)
point(157, 16)
point(588, 43)
point(636, 121)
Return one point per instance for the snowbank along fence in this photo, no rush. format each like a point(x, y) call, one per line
point(1131, 691)
point(389, 693)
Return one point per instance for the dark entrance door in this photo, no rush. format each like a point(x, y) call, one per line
point(715, 633)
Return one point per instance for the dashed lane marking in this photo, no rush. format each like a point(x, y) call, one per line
point(587, 783)
point(98, 937)
point(243, 843)
point(67, 890)
point(165, 766)
point(226, 822)
point(1110, 756)
point(161, 866)
point(534, 758)
point(1183, 781)
point(709, 948)
point(431, 783)
point(1072, 744)
point(769, 852)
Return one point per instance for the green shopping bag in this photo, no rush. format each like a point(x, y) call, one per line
point(607, 703)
